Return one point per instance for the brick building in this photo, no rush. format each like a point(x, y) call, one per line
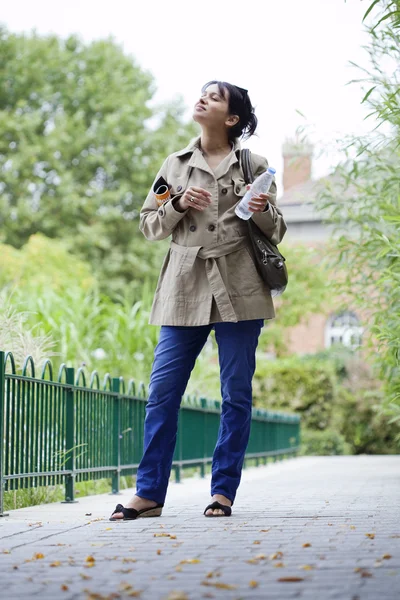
point(306, 226)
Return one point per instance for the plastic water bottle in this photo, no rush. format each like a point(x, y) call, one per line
point(260, 185)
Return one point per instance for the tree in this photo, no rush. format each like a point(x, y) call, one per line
point(78, 149)
point(364, 203)
point(308, 292)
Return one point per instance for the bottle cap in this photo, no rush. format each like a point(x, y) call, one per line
point(272, 170)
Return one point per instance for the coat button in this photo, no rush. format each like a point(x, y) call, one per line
point(192, 228)
point(211, 227)
point(161, 212)
point(178, 189)
point(224, 191)
point(237, 189)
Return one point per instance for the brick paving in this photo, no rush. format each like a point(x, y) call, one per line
point(333, 523)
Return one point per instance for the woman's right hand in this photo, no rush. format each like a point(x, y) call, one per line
point(194, 197)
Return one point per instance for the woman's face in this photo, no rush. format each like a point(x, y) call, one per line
point(212, 109)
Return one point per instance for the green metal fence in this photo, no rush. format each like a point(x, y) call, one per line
point(71, 429)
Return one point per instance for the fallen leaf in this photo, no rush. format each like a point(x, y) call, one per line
point(370, 535)
point(190, 561)
point(257, 542)
point(178, 569)
point(15, 567)
point(253, 584)
point(88, 514)
point(352, 526)
point(5, 552)
point(122, 570)
point(276, 555)
point(291, 579)
point(64, 587)
point(172, 537)
point(38, 556)
point(264, 530)
point(219, 585)
point(84, 576)
point(108, 529)
point(306, 545)
point(306, 567)
point(56, 563)
point(261, 557)
point(363, 572)
point(279, 564)
point(129, 560)
point(90, 559)
point(159, 552)
point(387, 556)
point(177, 596)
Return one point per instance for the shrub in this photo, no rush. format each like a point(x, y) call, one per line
point(295, 385)
point(328, 442)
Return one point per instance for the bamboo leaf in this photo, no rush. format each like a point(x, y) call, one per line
point(375, 2)
point(367, 95)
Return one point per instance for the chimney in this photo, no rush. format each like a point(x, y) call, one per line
point(297, 159)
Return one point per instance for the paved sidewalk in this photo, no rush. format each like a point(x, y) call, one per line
point(332, 524)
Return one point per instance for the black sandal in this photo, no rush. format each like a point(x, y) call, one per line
point(130, 514)
point(224, 507)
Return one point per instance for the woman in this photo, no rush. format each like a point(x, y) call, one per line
point(208, 281)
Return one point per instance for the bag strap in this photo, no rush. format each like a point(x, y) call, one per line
point(245, 160)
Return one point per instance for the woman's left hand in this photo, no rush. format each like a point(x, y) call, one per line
point(259, 203)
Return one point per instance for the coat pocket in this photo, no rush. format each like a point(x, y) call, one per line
point(242, 273)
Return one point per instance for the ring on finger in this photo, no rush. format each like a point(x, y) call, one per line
point(192, 198)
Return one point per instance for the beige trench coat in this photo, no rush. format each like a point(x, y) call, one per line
point(208, 274)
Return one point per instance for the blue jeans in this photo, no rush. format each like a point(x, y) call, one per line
point(174, 358)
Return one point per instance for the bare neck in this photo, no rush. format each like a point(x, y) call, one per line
point(215, 144)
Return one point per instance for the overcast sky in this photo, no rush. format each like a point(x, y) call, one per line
point(291, 55)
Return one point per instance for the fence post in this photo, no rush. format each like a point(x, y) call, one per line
point(115, 483)
point(70, 437)
point(2, 432)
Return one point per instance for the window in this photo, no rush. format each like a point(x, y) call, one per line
point(343, 328)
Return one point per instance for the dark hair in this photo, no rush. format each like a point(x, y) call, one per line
point(240, 105)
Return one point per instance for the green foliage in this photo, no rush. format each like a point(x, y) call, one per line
point(364, 204)
point(79, 148)
point(50, 305)
point(43, 263)
point(357, 413)
point(322, 443)
point(335, 392)
point(294, 385)
point(89, 328)
point(308, 292)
